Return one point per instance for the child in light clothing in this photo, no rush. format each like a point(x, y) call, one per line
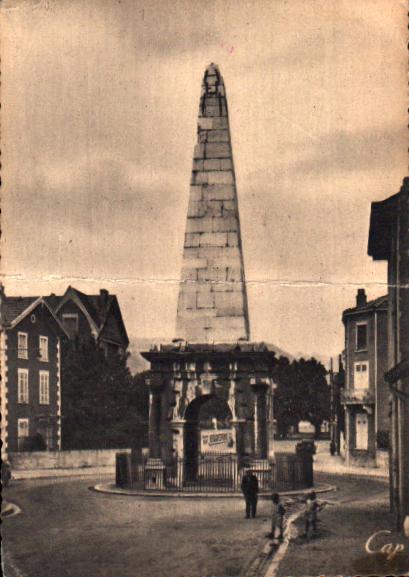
point(277, 516)
point(310, 513)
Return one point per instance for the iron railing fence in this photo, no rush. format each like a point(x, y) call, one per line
point(210, 473)
point(214, 473)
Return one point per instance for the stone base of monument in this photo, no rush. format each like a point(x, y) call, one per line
point(293, 471)
point(155, 472)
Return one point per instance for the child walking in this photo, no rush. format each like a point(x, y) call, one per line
point(277, 516)
point(310, 514)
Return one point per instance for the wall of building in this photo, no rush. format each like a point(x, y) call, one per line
point(403, 351)
point(112, 332)
point(353, 355)
point(64, 459)
point(404, 278)
point(376, 354)
point(382, 388)
point(33, 410)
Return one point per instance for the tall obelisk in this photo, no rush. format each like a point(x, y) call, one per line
point(212, 304)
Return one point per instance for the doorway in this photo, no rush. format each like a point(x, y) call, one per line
point(208, 430)
point(361, 431)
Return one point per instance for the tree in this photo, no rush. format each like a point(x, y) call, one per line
point(103, 405)
point(302, 393)
point(286, 399)
point(314, 391)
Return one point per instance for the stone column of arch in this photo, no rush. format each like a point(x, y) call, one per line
point(155, 418)
point(260, 421)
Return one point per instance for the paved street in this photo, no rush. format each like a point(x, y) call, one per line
point(66, 530)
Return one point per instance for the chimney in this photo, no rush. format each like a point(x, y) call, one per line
point(103, 299)
point(361, 298)
point(340, 363)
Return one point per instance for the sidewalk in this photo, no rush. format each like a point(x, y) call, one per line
point(112, 489)
point(51, 473)
point(335, 465)
point(324, 462)
point(357, 511)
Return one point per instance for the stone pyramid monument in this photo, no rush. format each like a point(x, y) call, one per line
point(212, 304)
point(212, 356)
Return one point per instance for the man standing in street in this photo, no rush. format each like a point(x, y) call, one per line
point(249, 486)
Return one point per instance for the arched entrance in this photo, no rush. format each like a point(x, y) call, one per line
point(183, 378)
point(208, 429)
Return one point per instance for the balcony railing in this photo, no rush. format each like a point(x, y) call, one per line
point(359, 396)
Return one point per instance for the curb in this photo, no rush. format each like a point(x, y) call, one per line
point(274, 562)
point(9, 510)
point(270, 555)
point(110, 488)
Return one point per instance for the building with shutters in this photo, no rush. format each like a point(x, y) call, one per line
point(389, 241)
point(31, 337)
point(32, 333)
point(366, 395)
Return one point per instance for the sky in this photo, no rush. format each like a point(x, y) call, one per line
point(99, 113)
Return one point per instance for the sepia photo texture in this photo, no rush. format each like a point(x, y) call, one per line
point(204, 293)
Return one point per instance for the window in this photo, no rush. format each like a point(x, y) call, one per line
point(70, 322)
point(361, 337)
point(361, 376)
point(44, 388)
point(22, 345)
point(22, 433)
point(43, 348)
point(22, 386)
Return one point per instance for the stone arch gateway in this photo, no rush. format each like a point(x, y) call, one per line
point(185, 375)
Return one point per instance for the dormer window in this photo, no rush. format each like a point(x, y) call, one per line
point(71, 324)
